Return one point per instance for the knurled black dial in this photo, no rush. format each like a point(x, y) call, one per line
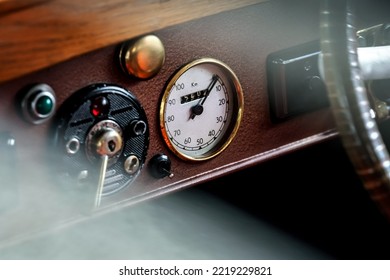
point(96, 114)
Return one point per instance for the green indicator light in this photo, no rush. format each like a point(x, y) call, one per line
point(44, 105)
point(38, 103)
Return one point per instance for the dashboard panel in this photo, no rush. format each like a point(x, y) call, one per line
point(238, 38)
point(54, 156)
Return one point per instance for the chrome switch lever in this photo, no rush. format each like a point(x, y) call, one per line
point(105, 143)
point(102, 177)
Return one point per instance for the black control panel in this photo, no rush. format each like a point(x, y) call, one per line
point(100, 122)
point(294, 82)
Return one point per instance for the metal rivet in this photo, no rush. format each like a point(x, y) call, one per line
point(139, 127)
point(132, 165)
point(73, 146)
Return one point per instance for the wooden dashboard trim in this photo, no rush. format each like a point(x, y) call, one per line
point(42, 35)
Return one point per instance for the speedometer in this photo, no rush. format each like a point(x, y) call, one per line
point(201, 109)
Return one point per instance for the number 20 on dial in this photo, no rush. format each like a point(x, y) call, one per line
point(201, 109)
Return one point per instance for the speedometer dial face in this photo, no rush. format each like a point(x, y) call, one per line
point(201, 109)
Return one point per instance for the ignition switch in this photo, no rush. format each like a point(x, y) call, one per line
point(104, 138)
point(94, 139)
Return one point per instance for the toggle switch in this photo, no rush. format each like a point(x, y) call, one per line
point(104, 142)
point(160, 166)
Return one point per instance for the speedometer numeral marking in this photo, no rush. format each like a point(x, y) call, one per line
point(219, 119)
point(172, 102)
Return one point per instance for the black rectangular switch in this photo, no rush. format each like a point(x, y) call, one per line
point(294, 82)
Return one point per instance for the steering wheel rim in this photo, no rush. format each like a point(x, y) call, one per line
point(350, 103)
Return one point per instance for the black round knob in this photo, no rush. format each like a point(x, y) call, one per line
point(160, 166)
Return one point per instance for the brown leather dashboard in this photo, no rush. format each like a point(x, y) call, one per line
point(242, 38)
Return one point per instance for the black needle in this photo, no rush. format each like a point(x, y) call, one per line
point(198, 108)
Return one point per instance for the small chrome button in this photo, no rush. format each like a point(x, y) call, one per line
point(38, 103)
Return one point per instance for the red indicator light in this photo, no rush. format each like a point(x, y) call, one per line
point(100, 106)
